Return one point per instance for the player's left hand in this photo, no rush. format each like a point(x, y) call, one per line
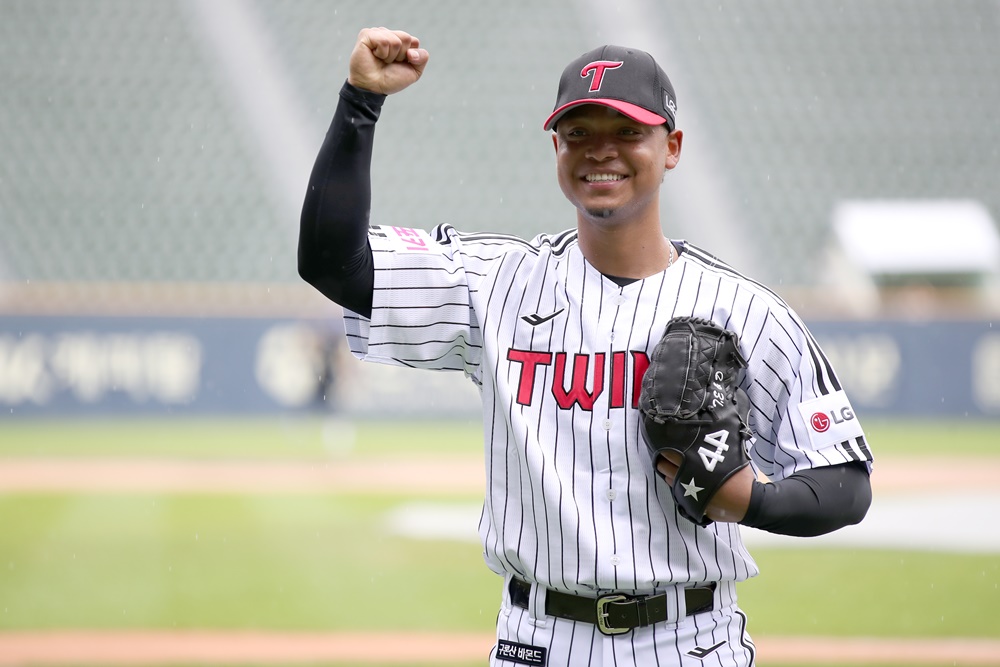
point(730, 503)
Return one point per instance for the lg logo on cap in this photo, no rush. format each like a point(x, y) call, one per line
point(821, 421)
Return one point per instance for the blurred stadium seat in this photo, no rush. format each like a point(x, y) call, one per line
point(126, 159)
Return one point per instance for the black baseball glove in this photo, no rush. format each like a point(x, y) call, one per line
point(690, 404)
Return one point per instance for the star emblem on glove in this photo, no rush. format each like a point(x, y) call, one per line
point(691, 489)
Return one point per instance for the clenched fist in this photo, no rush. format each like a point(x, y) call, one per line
point(386, 61)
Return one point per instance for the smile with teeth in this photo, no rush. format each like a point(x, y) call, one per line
point(596, 178)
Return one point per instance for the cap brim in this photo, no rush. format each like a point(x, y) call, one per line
point(634, 112)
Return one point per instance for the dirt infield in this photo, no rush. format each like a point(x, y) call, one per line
point(177, 648)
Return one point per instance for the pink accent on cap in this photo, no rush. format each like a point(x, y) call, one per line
point(634, 112)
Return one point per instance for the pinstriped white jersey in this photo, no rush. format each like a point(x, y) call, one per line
point(558, 351)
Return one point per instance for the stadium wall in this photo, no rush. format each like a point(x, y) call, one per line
point(62, 366)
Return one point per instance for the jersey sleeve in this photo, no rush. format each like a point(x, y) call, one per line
point(422, 313)
point(801, 415)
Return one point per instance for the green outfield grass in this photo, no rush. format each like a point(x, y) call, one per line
point(873, 593)
point(241, 561)
point(318, 562)
point(326, 562)
point(319, 437)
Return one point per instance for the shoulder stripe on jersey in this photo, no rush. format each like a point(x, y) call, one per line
point(559, 243)
point(849, 450)
point(816, 364)
point(562, 241)
point(862, 445)
point(818, 357)
point(445, 232)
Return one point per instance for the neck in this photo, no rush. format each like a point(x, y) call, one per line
point(635, 250)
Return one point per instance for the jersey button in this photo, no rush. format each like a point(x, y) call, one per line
point(606, 425)
point(612, 494)
point(620, 299)
point(615, 560)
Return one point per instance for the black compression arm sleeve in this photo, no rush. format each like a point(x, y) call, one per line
point(811, 502)
point(334, 255)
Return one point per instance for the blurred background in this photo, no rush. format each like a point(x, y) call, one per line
point(154, 155)
point(154, 158)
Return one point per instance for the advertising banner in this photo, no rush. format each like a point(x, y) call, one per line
point(173, 365)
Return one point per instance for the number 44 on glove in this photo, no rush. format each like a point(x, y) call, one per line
point(690, 404)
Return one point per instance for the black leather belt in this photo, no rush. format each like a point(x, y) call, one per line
point(615, 613)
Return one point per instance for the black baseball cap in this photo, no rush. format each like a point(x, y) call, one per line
point(627, 80)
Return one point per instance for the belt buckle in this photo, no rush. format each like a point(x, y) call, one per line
point(602, 614)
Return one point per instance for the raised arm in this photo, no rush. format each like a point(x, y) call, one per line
point(333, 254)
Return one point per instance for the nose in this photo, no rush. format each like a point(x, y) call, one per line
point(601, 148)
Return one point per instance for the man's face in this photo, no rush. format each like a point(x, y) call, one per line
point(610, 167)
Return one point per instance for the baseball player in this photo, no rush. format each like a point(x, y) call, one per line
point(619, 541)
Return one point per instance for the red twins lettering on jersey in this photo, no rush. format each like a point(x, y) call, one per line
point(598, 68)
point(829, 419)
point(585, 380)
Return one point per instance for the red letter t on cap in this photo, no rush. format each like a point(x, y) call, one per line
point(598, 67)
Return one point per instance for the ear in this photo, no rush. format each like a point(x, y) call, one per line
point(674, 141)
point(555, 141)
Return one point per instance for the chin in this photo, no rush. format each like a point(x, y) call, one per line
point(600, 213)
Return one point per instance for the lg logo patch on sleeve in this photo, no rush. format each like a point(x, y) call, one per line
point(829, 419)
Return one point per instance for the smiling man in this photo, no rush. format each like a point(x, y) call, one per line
point(609, 556)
